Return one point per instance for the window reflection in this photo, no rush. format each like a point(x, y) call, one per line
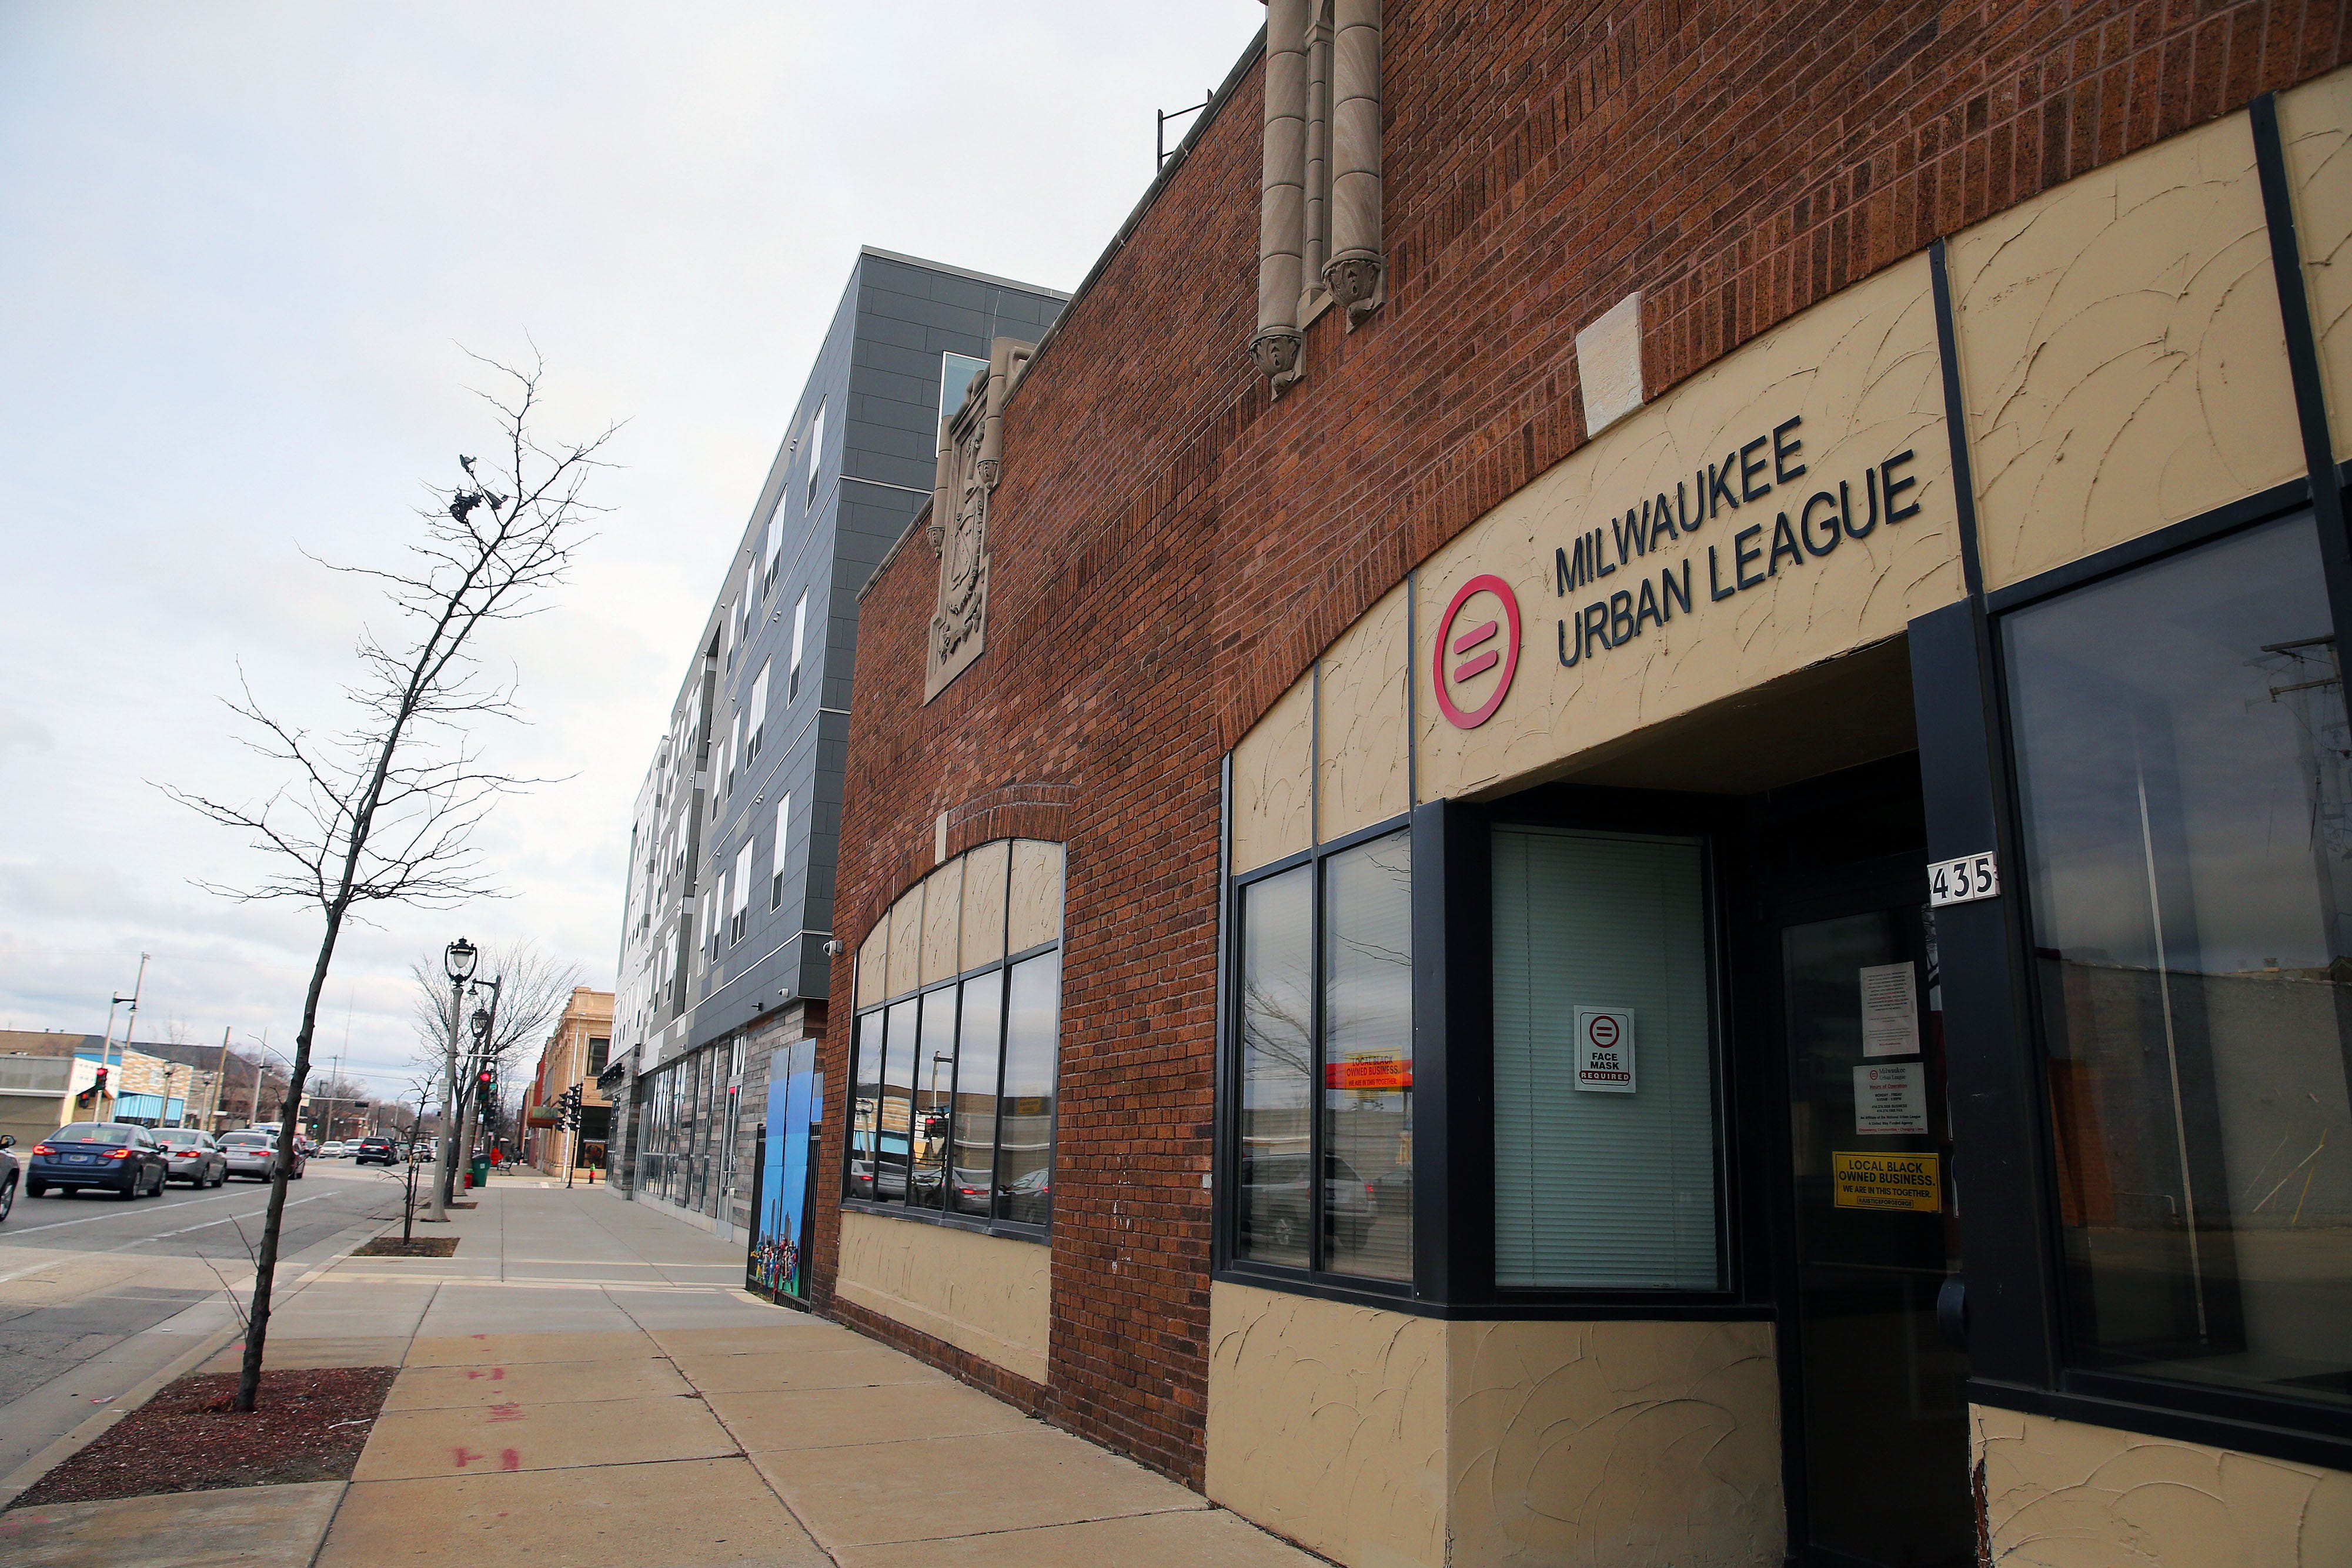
point(972, 1168)
point(1025, 1159)
point(2187, 781)
point(865, 1103)
point(1278, 1068)
point(933, 1077)
point(1368, 1060)
point(894, 1106)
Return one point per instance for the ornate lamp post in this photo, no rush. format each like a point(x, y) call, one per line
point(459, 964)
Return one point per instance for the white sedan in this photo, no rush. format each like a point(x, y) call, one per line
point(332, 1150)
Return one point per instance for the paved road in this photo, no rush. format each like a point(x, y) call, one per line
point(80, 1275)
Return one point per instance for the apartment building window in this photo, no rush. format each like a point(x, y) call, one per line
point(776, 855)
point(815, 452)
point(726, 649)
point(775, 547)
point(953, 1081)
point(600, 1053)
point(758, 713)
point(799, 631)
point(738, 916)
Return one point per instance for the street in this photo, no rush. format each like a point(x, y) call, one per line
point(80, 1275)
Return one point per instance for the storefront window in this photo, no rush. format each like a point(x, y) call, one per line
point(1606, 1167)
point(2186, 778)
point(953, 1088)
point(1277, 1075)
point(1341, 1010)
point(1368, 1058)
point(1025, 1156)
point(972, 1168)
point(934, 1082)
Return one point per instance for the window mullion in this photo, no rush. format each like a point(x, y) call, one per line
point(1318, 1194)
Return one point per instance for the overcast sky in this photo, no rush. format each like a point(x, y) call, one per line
point(240, 246)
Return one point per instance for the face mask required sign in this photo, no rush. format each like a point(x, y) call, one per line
point(1902, 1183)
point(1604, 1050)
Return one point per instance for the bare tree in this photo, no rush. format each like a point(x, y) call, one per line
point(383, 812)
point(532, 992)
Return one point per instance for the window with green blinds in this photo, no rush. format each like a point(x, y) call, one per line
point(1597, 1187)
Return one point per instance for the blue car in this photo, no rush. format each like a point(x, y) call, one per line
point(112, 1155)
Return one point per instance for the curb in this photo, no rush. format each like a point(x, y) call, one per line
point(20, 1481)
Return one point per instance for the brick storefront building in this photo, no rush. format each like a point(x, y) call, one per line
point(1178, 652)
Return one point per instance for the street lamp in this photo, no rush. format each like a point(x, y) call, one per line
point(459, 961)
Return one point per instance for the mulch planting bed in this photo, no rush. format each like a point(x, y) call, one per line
point(312, 1426)
point(422, 1246)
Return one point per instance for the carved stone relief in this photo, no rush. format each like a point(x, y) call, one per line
point(970, 459)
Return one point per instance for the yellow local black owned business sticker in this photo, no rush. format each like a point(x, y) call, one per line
point(1910, 1183)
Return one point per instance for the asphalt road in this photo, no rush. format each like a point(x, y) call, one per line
point(80, 1275)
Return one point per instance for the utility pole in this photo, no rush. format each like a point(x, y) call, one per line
point(130, 1025)
point(220, 1085)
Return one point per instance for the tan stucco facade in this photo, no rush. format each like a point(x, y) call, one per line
point(2059, 1494)
point(2121, 352)
point(985, 1294)
point(1383, 1439)
point(962, 915)
point(2316, 124)
point(2122, 368)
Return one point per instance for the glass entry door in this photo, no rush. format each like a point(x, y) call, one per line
point(1882, 1434)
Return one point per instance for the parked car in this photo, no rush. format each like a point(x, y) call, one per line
point(196, 1158)
point(7, 1174)
point(375, 1150)
point(253, 1153)
point(1273, 1193)
point(333, 1149)
point(121, 1158)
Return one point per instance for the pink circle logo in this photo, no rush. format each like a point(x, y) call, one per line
point(1465, 652)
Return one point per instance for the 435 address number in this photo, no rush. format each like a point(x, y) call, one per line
point(1963, 880)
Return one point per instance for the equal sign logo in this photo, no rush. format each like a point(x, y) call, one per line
point(1469, 647)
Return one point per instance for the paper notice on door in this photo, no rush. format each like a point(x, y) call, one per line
point(1890, 1098)
point(1905, 1183)
point(1890, 1011)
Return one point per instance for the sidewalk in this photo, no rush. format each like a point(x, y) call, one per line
point(585, 1383)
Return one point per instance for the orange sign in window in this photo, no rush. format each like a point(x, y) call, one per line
point(1377, 1072)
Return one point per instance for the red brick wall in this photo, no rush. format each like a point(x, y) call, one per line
point(1171, 548)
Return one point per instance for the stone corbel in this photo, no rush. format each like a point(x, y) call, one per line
point(1355, 273)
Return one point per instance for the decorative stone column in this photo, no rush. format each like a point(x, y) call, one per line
point(1282, 202)
point(1354, 273)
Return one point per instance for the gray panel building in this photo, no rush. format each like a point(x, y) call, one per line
point(729, 899)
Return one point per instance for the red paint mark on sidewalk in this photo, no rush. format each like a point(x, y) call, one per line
point(509, 1459)
point(505, 1412)
point(494, 1373)
point(461, 1457)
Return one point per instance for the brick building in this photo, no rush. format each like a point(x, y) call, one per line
point(575, 1054)
point(1441, 911)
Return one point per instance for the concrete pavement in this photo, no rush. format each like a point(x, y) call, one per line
point(586, 1383)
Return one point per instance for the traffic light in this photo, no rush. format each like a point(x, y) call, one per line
point(568, 1104)
point(90, 1095)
